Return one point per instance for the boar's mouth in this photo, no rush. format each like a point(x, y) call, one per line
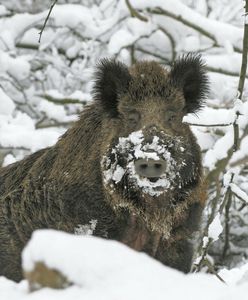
point(120, 169)
point(154, 179)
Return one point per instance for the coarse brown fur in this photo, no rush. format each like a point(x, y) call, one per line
point(63, 186)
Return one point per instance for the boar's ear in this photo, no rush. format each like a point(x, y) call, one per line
point(188, 73)
point(111, 80)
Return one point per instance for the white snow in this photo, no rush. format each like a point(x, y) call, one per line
point(72, 16)
point(103, 269)
point(227, 179)
point(118, 174)
point(225, 32)
point(219, 150)
point(242, 152)
point(86, 229)
point(120, 39)
point(237, 191)
point(135, 137)
point(3, 10)
point(55, 111)
point(18, 67)
point(230, 61)
point(135, 28)
point(7, 105)
point(236, 275)
point(10, 158)
point(19, 131)
point(215, 228)
point(205, 241)
point(78, 95)
point(209, 116)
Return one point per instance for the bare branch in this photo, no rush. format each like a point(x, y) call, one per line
point(238, 162)
point(212, 270)
point(241, 80)
point(134, 13)
point(227, 220)
point(222, 71)
point(208, 125)
point(172, 41)
point(163, 59)
point(61, 101)
point(239, 193)
point(244, 55)
point(56, 124)
point(44, 25)
point(161, 11)
point(201, 30)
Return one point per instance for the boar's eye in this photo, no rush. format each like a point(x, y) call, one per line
point(170, 116)
point(133, 117)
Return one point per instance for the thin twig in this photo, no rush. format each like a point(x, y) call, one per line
point(236, 140)
point(240, 161)
point(172, 41)
point(222, 71)
point(241, 79)
point(61, 101)
point(134, 13)
point(163, 59)
point(244, 55)
point(208, 125)
point(57, 124)
point(204, 254)
point(212, 270)
point(227, 195)
point(227, 225)
point(227, 198)
point(44, 25)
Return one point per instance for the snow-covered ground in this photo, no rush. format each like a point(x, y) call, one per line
point(101, 269)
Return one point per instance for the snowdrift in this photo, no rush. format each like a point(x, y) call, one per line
point(102, 269)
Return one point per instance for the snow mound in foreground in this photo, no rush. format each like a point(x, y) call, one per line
point(104, 269)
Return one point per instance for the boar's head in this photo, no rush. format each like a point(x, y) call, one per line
point(150, 158)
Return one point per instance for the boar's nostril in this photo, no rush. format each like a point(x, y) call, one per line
point(150, 168)
point(158, 166)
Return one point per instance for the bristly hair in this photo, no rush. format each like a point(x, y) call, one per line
point(111, 80)
point(189, 74)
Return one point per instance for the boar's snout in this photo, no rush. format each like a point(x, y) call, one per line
point(150, 168)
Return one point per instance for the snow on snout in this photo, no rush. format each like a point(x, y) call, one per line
point(132, 148)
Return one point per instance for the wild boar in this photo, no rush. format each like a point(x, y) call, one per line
point(129, 169)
